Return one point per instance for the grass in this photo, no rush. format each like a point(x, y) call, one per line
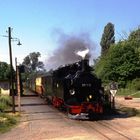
point(136, 94)
point(5, 102)
point(8, 121)
point(128, 92)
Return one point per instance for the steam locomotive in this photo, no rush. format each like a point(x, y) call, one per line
point(73, 87)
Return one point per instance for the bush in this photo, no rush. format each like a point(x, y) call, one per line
point(7, 121)
point(5, 102)
point(135, 84)
point(125, 92)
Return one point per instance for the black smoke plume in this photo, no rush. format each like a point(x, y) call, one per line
point(69, 45)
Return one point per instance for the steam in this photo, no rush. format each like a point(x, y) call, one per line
point(68, 48)
point(83, 53)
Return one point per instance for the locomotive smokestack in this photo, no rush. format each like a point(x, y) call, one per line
point(85, 64)
point(84, 61)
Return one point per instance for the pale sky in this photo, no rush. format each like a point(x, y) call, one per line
point(35, 22)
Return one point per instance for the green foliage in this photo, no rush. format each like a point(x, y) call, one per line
point(125, 92)
point(132, 89)
point(7, 121)
point(107, 38)
point(4, 71)
point(134, 35)
point(32, 65)
point(5, 102)
point(121, 64)
point(32, 62)
point(134, 38)
point(128, 92)
point(134, 84)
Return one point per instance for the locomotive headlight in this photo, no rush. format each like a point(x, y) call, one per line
point(90, 96)
point(57, 85)
point(72, 92)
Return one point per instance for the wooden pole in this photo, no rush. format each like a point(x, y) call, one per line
point(11, 69)
point(18, 86)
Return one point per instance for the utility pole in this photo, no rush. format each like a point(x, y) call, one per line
point(11, 70)
point(18, 85)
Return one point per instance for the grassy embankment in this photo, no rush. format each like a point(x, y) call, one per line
point(7, 120)
point(128, 92)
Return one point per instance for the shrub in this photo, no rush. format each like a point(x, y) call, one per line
point(134, 84)
point(5, 102)
point(7, 121)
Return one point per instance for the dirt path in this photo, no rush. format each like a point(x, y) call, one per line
point(43, 122)
point(132, 103)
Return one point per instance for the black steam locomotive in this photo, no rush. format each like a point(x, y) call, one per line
point(73, 87)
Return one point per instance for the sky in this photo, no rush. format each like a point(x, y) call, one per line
point(37, 23)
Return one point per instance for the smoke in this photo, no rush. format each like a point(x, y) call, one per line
point(83, 53)
point(68, 46)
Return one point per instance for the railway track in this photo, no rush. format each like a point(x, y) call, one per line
point(101, 130)
point(109, 131)
point(104, 130)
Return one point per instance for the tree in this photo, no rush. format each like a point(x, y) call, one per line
point(107, 38)
point(135, 35)
point(121, 64)
point(4, 71)
point(134, 38)
point(32, 63)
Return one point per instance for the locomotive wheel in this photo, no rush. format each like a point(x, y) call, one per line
point(92, 115)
